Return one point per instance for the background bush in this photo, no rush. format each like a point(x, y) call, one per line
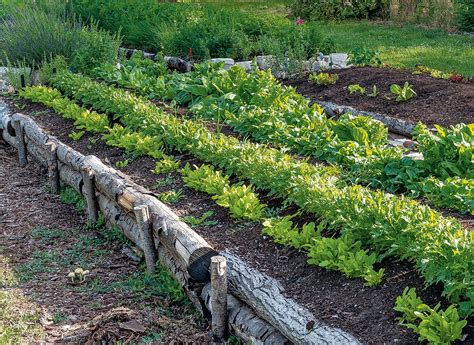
point(41, 30)
point(210, 31)
point(339, 9)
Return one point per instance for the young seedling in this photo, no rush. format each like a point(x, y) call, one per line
point(76, 135)
point(356, 88)
point(323, 78)
point(201, 221)
point(374, 93)
point(403, 93)
point(122, 164)
point(165, 166)
point(78, 275)
point(171, 196)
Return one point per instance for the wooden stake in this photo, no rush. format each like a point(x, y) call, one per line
point(142, 215)
point(219, 296)
point(53, 169)
point(20, 136)
point(89, 193)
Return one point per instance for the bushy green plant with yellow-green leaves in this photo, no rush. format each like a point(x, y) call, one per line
point(433, 325)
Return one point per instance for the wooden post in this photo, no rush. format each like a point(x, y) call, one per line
point(53, 168)
point(219, 297)
point(142, 215)
point(89, 193)
point(20, 135)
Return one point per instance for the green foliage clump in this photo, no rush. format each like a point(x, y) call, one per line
point(338, 9)
point(431, 324)
point(36, 35)
point(323, 78)
point(210, 31)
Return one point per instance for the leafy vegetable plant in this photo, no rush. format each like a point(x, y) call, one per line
point(431, 324)
point(356, 88)
point(323, 78)
point(403, 93)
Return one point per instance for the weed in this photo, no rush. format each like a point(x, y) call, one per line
point(47, 235)
point(163, 182)
point(69, 196)
point(59, 317)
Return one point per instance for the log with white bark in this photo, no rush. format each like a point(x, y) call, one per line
point(264, 295)
point(193, 251)
point(244, 322)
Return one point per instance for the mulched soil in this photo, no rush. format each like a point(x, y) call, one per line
point(367, 313)
point(438, 101)
point(77, 313)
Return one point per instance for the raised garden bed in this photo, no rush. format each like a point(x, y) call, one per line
point(438, 101)
point(367, 313)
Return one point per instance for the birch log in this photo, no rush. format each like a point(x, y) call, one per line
point(20, 143)
point(219, 296)
point(142, 216)
point(53, 168)
point(245, 323)
point(88, 189)
point(264, 295)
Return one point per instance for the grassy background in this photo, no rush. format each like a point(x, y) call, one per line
point(406, 46)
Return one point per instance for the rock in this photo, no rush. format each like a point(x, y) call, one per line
point(228, 63)
point(338, 60)
point(265, 61)
point(246, 65)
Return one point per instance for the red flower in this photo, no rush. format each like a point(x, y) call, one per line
point(299, 21)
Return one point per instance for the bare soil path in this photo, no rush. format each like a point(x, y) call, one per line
point(42, 239)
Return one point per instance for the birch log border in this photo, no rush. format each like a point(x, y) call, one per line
point(394, 125)
point(262, 315)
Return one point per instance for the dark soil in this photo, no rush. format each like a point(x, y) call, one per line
point(367, 313)
point(438, 101)
point(35, 224)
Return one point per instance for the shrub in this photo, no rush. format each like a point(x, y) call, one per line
point(37, 33)
point(209, 30)
point(465, 15)
point(339, 9)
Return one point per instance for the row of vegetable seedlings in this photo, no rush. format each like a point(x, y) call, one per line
point(256, 105)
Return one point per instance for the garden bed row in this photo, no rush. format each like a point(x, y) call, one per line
point(180, 249)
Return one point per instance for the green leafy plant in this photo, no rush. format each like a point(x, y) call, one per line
point(403, 93)
point(431, 324)
point(76, 135)
point(323, 78)
point(171, 196)
point(165, 166)
point(201, 221)
point(364, 57)
point(374, 93)
point(122, 164)
point(356, 88)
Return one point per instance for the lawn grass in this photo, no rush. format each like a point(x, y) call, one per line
point(406, 46)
